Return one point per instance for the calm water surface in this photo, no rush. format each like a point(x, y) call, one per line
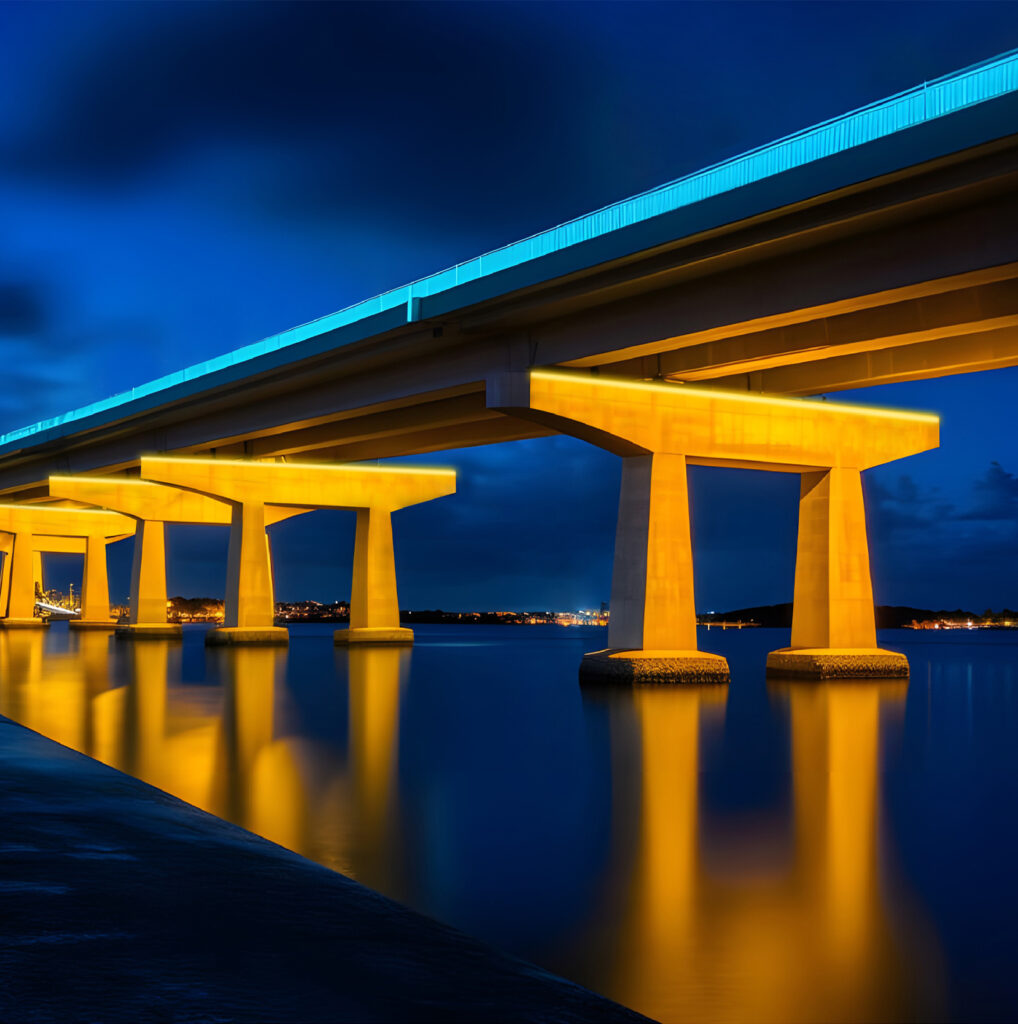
point(763, 851)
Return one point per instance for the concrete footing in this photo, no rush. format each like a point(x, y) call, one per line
point(652, 668)
point(9, 623)
point(834, 663)
point(373, 635)
point(92, 624)
point(150, 631)
point(229, 636)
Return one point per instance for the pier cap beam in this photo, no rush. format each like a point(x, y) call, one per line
point(253, 489)
point(93, 526)
point(658, 429)
point(152, 505)
point(711, 427)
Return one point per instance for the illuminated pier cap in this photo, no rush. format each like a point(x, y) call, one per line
point(374, 492)
point(659, 429)
point(152, 505)
point(37, 528)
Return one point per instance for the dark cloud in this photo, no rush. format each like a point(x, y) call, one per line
point(996, 496)
point(22, 310)
point(322, 107)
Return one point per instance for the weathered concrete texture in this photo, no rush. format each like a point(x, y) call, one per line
point(837, 664)
point(650, 668)
point(122, 903)
point(229, 636)
point(373, 635)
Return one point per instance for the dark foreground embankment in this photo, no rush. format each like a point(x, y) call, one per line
point(121, 903)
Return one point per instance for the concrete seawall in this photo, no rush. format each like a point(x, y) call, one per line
point(122, 903)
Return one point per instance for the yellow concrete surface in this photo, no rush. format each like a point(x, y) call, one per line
point(659, 428)
point(833, 595)
point(26, 523)
point(255, 491)
point(716, 428)
point(152, 505)
point(42, 545)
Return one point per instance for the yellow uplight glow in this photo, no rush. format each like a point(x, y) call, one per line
point(736, 396)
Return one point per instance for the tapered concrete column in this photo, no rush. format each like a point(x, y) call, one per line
point(374, 606)
point(652, 579)
point(833, 627)
point(652, 630)
point(21, 607)
point(6, 550)
point(250, 604)
point(95, 588)
point(148, 583)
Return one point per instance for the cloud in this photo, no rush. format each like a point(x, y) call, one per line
point(996, 496)
point(22, 309)
point(326, 110)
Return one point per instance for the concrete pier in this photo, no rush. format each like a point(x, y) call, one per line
point(38, 528)
point(252, 490)
point(834, 633)
point(152, 506)
point(146, 909)
point(659, 429)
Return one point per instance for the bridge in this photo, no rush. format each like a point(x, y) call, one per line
point(876, 247)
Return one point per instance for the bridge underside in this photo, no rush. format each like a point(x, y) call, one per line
point(898, 277)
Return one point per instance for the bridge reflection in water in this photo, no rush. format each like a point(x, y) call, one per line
point(785, 916)
point(740, 936)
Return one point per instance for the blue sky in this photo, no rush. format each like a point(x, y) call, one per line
point(177, 180)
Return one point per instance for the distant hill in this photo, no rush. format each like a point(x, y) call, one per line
point(779, 616)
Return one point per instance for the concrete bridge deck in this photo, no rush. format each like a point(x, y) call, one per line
point(880, 246)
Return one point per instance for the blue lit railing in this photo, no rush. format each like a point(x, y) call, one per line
point(975, 84)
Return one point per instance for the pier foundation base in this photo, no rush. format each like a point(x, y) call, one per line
point(652, 668)
point(229, 636)
point(150, 631)
point(35, 623)
point(92, 624)
point(831, 663)
point(373, 635)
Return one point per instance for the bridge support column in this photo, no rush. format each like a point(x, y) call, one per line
point(21, 603)
point(95, 588)
point(374, 606)
point(250, 604)
point(6, 549)
point(652, 631)
point(148, 586)
point(833, 626)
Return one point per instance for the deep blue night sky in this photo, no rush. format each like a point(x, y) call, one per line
point(178, 180)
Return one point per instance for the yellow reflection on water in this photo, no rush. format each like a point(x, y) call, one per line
point(224, 748)
point(802, 936)
point(774, 915)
